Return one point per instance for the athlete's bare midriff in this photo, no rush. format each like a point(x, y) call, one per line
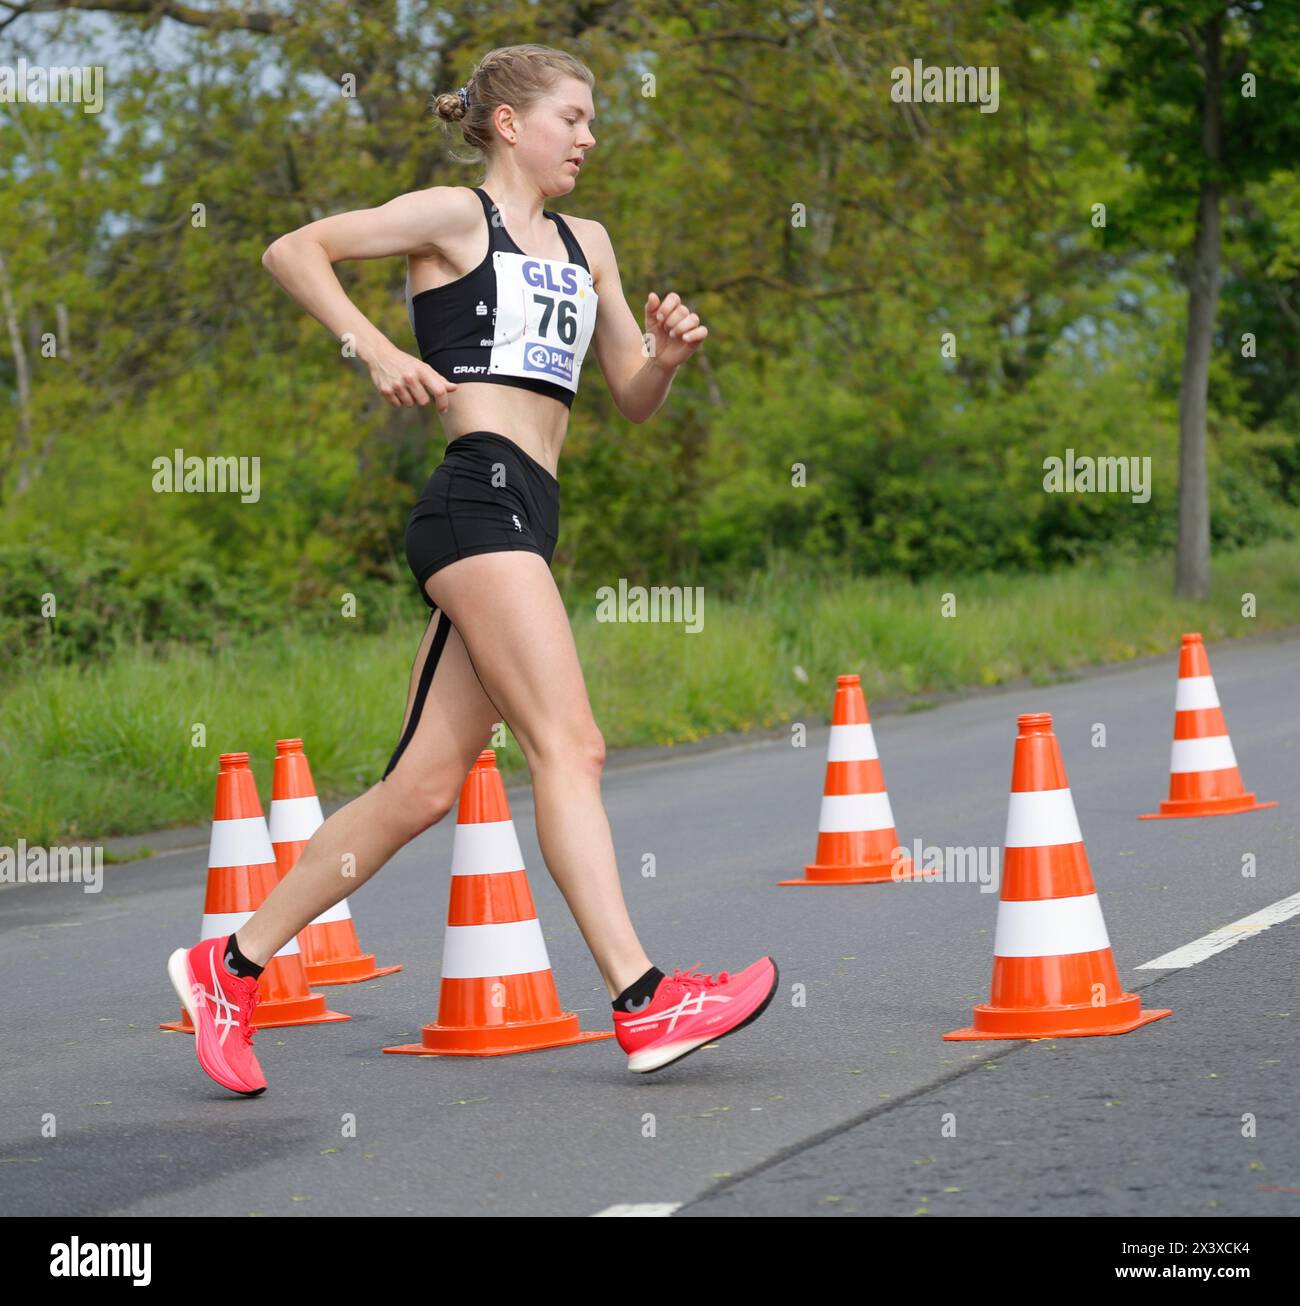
point(536, 423)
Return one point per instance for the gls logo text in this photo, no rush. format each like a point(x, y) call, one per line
point(563, 281)
point(76, 1259)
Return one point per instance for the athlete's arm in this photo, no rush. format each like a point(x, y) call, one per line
point(302, 262)
point(636, 381)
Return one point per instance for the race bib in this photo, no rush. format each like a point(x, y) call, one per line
point(546, 313)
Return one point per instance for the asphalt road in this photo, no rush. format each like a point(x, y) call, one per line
point(827, 1106)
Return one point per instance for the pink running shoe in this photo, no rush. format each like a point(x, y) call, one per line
point(689, 1010)
point(220, 1006)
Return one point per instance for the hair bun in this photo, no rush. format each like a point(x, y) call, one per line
point(450, 107)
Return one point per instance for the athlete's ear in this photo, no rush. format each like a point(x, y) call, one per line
point(503, 118)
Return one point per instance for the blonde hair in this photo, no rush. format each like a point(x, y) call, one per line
point(517, 75)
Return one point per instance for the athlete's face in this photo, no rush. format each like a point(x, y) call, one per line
point(558, 135)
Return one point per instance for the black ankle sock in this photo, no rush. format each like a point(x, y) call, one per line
point(639, 995)
point(237, 963)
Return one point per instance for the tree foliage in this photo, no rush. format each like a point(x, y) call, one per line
point(751, 157)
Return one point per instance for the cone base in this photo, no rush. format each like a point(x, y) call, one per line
point(996, 1023)
point(876, 873)
point(351, 970)
point(281, 1015)
point(500, 1040)
point(1172, 807)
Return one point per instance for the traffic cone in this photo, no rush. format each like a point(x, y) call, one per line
point(1053, 972)
point(331, 952)
point(241, 872)
point(1203, 775)
point(498, 993)
point(855, 833)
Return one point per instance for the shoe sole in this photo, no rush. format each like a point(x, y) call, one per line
point(182, 978)
point(716, 1038)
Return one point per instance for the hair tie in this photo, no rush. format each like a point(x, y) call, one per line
point(464, 96)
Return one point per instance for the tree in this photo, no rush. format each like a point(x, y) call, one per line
point(1215, 85)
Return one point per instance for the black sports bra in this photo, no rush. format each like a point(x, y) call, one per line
point(515, 319)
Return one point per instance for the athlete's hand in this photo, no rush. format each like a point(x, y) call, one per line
point(406, 381)
point(675, 332)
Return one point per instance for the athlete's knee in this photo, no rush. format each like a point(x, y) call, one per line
point(574, 750)
point(417, 803)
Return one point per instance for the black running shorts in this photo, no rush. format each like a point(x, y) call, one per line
point(487, 495)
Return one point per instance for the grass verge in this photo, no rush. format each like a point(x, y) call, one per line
point(132, 744)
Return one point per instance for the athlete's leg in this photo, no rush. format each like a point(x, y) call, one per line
point(510, 614)
point(453, 721)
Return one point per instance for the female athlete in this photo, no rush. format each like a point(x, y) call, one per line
point(503, 298)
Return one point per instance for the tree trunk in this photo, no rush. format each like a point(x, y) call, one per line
point(1192, 573)
point(22, 374)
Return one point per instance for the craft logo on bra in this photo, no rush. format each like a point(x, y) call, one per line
point(549, 360)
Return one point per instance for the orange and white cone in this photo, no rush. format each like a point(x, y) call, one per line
point(1203, 775)
point(331, 951)
point(498, 994)
point(1053, 972)
point(241, 872)
point(856, 838)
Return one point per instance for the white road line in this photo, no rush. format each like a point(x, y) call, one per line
point(1225, 936)
point(640, 1208)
